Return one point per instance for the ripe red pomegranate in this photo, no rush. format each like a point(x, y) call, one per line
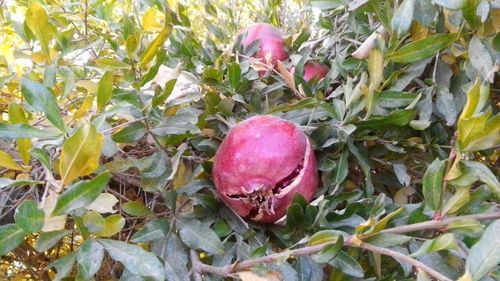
point(261, 164)
point(272, 45)
point(314, 69)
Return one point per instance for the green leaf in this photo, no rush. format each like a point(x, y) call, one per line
point(136, 208)
point(47, 240)
point(112, 64)
point(104, 90)
point(37, 21)
point(153, 230)
point(432, 183)
point(63, 266)
point(443, 242)
point(457, 201)
point(80, 153)
point(155, 46)
point(42, 100)
point(347, 264)
point(329, 251)
point(341, 169)
point(465, 226)
point(484, 255)
point(93, 221)
point(21, 131)
point(386, 240)
point(295, 216)
point(397, 118)
point(324, 236)
point(395, 99)
point(132, 133)
point(42, 156)
point(81, 194)
point(68, 81)
point(469, 12)
point(11, 235)
point(234, 73)
point(183, 122)
point(199, 236)
point(112, 225)
point(89, 257)
point(479, 57)
point(422, 49)
point(472, 171)
point(135, 259)
point(401, 21)
point(6, 182)
point(160, 98)
point(29, 217)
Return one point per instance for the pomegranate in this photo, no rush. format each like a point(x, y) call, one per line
point(272, 45)
point(314, 70)
point(261, 164)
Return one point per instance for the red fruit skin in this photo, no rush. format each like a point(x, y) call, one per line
point(313, 69)
point(271, 41)
point(256, 155)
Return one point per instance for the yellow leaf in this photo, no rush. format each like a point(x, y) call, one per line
point(472, 100)
point(17, 116)
point(80, 153)
point(376, 67)
point(7, 162)
point(454, 171)
point(418, 31)
point(88, 85)
point(155, 46)
point(39, 57)
point(112, 225)
point(151, 20)
point(86, 105)
point(38, 22)
point(172, 4)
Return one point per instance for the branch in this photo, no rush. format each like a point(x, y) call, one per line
point(309, 250)
point(404, 258)
point(195, 261)
point(438, 224)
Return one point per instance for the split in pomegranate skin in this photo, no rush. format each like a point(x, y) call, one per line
point(272, 45)
point(261, 164)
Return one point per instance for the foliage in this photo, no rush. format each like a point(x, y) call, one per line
point(112, 112)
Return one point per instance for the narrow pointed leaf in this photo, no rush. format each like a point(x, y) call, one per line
point(135, 259)
point(42, 100)
point(80, 153)
point(81, 194)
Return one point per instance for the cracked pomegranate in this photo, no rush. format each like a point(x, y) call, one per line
point(272, 45)
point(261, 164)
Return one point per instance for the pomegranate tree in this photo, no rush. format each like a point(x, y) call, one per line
point(261, 164)
point(272, 45)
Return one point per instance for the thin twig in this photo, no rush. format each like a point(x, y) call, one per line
point(438, 224)
point(309, 250)
point(404, 258)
